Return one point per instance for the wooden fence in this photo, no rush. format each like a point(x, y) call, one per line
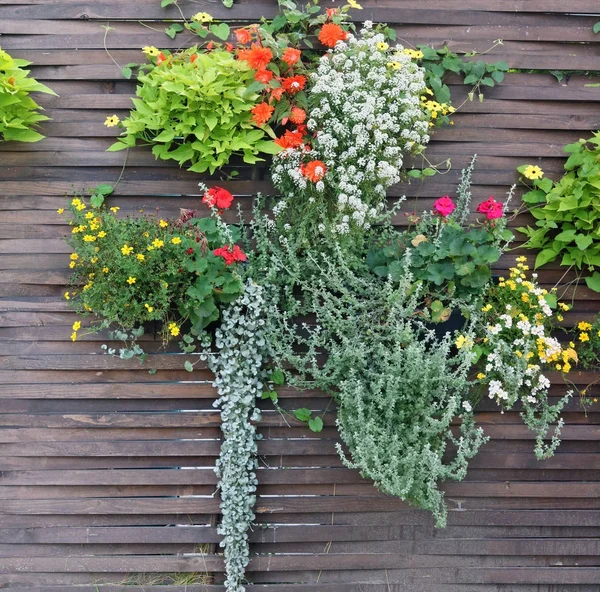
point(106, 470)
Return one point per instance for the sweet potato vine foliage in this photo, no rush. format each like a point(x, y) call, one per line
point(345, 113)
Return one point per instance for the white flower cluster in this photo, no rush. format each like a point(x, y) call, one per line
point(365, 115)
point(239, 381)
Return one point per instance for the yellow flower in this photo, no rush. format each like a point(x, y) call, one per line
point(140, 257)
point(583, 326)
point(89, 215)
point(165, 285)
point(73, 336)
point(74, 256)
point(150, 50)
point(533, 172)
point(111, 121)
point(382, 46)
point(202, 17)
point(163, 224)
point(60, 210)
point(558, 367)
point(174, 329)
point(101, 234)
point(480, 376)
point(394, 65)
point(584, 337)
point(175, 240)
point(519, 354)
point(72, 264)
point(114, 209)
point(66, 296)
point(105, 270)
point(75, 201)
point(150, 248)
point(131, 280)
point(462, 341)
point(146, 234)
point(354, 4)
point(560, 318)
point(564, 306)
point(416, 54)
point(94, 260)
point(89, 238)
point(150, 308)
point(76, 325)
point(157, 243)
point(486, 308)
point(126, 249)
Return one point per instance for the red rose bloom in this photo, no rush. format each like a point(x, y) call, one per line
point(294, 84)
point(291, 56)
point(331, 33)
point(444, 206)
point(257, 57)
point(314, 170)
point(491, 208)
point(217, 197)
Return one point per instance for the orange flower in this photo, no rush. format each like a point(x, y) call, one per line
point(277, 93)
point(297, 115)
point(294, 84)
point(314, 170)
point(257, 57)
point(263, 76)
point(243, 35)
point(291, 56)
point(331, 12)
point(193, 57)
point(261, 113)
point(229, 47)
point(160, 58)
point(331, 33)
point(290, 139)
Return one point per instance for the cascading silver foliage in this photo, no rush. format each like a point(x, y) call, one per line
point(239, 379)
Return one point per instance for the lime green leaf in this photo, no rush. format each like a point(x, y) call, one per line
point(593, 282)
point(316, 424)
point(303, 414)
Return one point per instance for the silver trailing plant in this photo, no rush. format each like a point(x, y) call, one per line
point(239, 379)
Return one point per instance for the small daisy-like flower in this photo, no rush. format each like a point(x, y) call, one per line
point(76, 325)
point(533, 172)
point(174, 329)
point(354, 4)
point(382, 46)
point(163, 224)
point(131, 280)
point(175, 240)
point(114, 209)
point(394, 65)
point(148, 307)
point(202, 17)
point(140, 257)
point(126, 249)
point(111, 121)
point(150, 51)
point(60, 210)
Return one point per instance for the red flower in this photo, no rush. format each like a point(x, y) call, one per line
point(331, 33)
point(193, 57)
point(294, 84)
point(261, 113)
point(331, 12)
point(230, 255)
point(229, 47)
point(160, 58)
point(277, 93)
point(444, 206)
point(297, 115)
point(291, 56)
point(217, 197)
point(257, 57)
point(491, 208)
point(290, 139)
point(210, 45)
point(263, 76)
point(243, 36)
point(314, 170)
point(190, 251)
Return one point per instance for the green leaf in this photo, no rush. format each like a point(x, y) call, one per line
point(104, 189)
point(221, 31)
point(596, 28)
point(544, 257)
point(302, 414)
point(583, 241)
point(593, 282)
point(126, 72)
point(96, 200)
point(165, 3)
point(316, 424)
point(188, 366)
point(551, 299)
point(172, 30)
point(277, 377)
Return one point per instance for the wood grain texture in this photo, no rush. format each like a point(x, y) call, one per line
point(106, 471)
